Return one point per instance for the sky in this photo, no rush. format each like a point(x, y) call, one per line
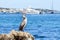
point(44, 4)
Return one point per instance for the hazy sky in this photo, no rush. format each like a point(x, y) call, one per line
point(45, 4)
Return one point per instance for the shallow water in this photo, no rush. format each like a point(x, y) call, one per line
point(43, 26)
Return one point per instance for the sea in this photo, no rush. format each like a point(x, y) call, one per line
point(41, 26)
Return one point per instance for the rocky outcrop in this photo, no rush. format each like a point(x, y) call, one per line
point(16, 35)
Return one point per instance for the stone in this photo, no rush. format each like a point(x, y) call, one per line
point(16, 35)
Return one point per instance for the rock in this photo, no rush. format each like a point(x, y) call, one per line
point(16, 35)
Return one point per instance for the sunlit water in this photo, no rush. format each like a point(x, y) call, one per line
point(42, 27)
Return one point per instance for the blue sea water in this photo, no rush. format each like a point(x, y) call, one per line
point(42, 26)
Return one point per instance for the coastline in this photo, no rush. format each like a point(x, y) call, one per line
point(28, 10)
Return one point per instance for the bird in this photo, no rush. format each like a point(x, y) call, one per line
point(23, 23)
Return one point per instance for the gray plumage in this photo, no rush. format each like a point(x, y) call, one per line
point(23, 24)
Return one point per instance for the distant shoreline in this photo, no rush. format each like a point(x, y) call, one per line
point(28, 10)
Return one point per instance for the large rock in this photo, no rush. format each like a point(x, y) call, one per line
point(16, 35)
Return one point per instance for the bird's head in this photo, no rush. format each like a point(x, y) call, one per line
point(24, 16)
